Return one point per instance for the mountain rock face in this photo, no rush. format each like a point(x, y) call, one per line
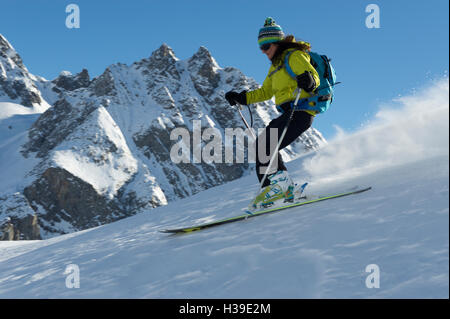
point(104, 149)
point(68, 82)
point(16, 83)
point(19, 221)
point(58, 191)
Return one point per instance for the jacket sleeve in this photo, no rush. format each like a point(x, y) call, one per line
point(299, 62)
point(262, 94)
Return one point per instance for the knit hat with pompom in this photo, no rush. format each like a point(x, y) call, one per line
point(270, 32)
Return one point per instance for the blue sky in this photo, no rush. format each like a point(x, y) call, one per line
point(407, 52)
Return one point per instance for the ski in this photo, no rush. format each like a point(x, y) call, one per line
point(307, 201)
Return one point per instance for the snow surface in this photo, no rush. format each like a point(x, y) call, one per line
point(8, 109)
point(313, 251)
point(15, 120)
point(316, 251)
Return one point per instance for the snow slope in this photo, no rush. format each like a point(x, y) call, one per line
point(317, 251)
point(314, 251)
point(15, 120)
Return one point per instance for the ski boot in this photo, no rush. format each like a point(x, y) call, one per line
point(281, 189)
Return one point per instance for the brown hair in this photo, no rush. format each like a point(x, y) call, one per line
point(289, 42)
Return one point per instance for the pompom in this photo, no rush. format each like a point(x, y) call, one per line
point(269, 22)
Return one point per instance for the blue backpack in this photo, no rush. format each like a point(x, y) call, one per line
point(323, 95)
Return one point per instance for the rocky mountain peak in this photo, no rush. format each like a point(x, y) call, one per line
point(16, 83)
point(104, 84)
point(4, 42)
point(202, 53)
point(204, 71)
point(203, 58)
point(164, 54)
point(71, 82)
point(7, 52)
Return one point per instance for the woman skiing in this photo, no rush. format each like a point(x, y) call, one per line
point(277, 184)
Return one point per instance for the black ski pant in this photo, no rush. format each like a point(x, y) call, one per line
point(300, 122)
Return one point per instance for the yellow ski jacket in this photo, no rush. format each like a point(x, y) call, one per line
point(280, 84)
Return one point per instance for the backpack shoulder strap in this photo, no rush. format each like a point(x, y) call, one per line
point(287, 66)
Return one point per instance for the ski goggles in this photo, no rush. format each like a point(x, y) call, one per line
point(265, 46)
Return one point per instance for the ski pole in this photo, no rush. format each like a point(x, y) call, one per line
point(239, 108)
point(275, 153)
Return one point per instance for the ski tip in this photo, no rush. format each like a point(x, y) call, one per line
point(181, 230)
point(171, 231)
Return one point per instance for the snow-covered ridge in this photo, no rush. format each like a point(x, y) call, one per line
point(85, 157)
point(16, 83)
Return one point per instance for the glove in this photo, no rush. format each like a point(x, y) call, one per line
point(306, 81)
point(234, 97)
